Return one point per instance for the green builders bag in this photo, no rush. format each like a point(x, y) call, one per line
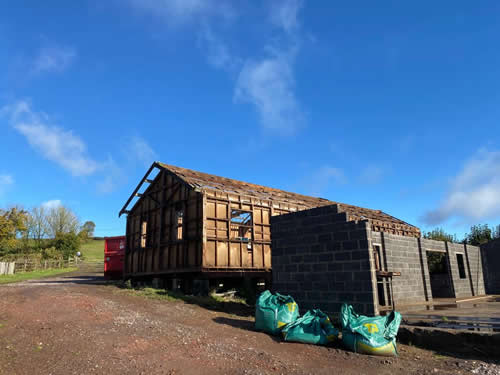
point(312, 328)
point(273, 311)
point(366, 335)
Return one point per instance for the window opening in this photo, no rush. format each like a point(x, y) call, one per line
point(178, 231)
point(144, 233)
point(241, 225)
point(461, 266)
point(376, 257)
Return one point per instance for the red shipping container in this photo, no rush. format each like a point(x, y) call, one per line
point(114, 254)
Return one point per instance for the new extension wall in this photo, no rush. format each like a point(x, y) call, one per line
point(491, 265)
point(409, 256)
point(405, 255)
point(322, 260)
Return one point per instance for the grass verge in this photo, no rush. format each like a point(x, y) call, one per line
point(231, 305)
point(93, 250)
point(7, 279)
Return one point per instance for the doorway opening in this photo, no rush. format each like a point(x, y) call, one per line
point(439, 272)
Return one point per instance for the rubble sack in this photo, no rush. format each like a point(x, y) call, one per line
point(369, 335)
point(274, 311)
point(312, 328)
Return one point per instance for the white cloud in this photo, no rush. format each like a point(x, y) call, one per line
point(54, 143)
point(51, 204)
point(218, 54)
point(474, 193)
point(140, 150)
point(6, 181)
point(53, 59)
point(268, 84)
point(284, 14)
point(176, 12)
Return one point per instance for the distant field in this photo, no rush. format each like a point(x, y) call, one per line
point(93, 250)
point(7, 279)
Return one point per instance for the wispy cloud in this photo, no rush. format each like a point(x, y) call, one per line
point(140, 150)
point(474, 193)
point(178, 12)
point(54, 203)
point(6, 181)
point(53, 59)
point(268, 84)
point(284, 14)
point(52, 142)
point(216, 50)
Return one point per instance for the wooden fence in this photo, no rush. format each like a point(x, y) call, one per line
point(28, 265)
point(7, 268)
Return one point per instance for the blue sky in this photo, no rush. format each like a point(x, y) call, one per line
point(386, 105)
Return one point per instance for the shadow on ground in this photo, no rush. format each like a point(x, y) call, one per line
point(246, 325)
point(212, 303)
point(97, 279)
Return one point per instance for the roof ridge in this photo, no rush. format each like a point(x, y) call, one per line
point(169, 166)
point(205, 181)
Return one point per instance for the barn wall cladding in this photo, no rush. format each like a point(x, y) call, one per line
point(185, 222)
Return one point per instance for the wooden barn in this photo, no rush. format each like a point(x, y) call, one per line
point(192, 225)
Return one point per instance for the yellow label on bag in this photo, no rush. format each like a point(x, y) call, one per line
point(281, 324)
point(370, 327)
point(291, 306)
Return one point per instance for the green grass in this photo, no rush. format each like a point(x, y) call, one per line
point(7, 279)
point(232, 305)
point(93, 250)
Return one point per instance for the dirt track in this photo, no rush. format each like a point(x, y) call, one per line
point(74, 324)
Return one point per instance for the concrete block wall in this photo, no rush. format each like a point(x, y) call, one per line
point(490, 255)
point(322, 260)
point(473, 283)
point(405, 255)
point(409, 256)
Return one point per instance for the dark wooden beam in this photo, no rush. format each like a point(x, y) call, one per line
point(134, 194)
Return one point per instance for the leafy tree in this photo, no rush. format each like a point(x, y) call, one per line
point(436, 260)
point(89, 228)
point(439, 234)
point(12, 225)
point(479, 234)
point(67, 244)
point(61, 220)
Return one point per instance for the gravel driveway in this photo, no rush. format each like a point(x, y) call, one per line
point(77, 324)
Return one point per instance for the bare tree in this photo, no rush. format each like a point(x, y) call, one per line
point(60, 220)
point(37, 226)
